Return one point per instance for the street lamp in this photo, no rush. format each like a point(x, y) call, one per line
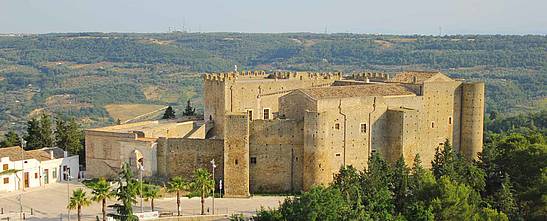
point(23, 144)
point(214, 185)
point(68, 177)
point(141, 169)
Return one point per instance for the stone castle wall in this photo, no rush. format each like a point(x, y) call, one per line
point(472, 119)
point(181, 156)
point(276, 153)
point(306, 137)
point(107, 151)
point(236, 155)
point(254, 92)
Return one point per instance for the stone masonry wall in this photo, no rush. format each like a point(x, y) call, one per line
point(182, 156)
point(276, 153)
point(236, 155)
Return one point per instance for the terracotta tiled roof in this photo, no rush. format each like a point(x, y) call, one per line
point(16, 153)
point(410, 76)
point(358, 91)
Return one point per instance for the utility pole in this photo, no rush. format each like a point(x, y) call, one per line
point(67, 174)
point(23, 144)
point(214, 166)
point(141, 169)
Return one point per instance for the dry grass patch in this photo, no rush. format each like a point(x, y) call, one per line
point(126, 112)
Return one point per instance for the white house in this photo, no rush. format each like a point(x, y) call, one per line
point(35, 168)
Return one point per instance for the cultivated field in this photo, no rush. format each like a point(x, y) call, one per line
point(126, 112)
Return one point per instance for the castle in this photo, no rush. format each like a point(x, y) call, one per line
point(289, 131)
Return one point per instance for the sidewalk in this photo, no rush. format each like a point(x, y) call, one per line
point(49, 203)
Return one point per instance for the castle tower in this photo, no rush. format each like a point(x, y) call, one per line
point(472, 118)
point(236, 155)
point(317, 154)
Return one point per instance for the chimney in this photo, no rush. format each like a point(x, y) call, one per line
point(51, 156)
point(65, 154)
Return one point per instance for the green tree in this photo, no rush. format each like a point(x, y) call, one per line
point(504, 200)
point(378, 196)
point(169, 113)
point(401, 186)
point(493, 115)
point(523, 157)
point(126, 193)
point(46, 133)
point(455, 201)
point(151, 192)
point(177, 185)
point(202, 185)
point(348, 182)
point(77, 201)
point(319, 203)
point(68, 135)
point(449, 163)
point(101, 192)
point(189, 110)
point(444, 162)
point(11, 139)
point(33, 136)
point(487, 214)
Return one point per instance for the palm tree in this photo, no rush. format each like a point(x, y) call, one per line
point(78, 200)
point(202, 185)
point(177, 184)
point(151, 192)
point(101, 191)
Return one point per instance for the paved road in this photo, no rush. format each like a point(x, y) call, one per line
point(50, 204)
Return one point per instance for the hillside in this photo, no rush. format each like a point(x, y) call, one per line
point(84, 74)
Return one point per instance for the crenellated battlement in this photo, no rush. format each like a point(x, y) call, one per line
point(259, 75)
point(364, 76)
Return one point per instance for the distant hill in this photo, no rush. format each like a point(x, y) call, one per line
point(79, 74)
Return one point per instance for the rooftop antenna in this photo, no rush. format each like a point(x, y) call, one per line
point(183, 24)
point(440, 31)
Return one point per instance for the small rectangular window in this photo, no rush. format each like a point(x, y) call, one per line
point(35, 175)
point(266, 113)
point(432, 124)
point(363, 128)
point(236, 162)
point(6, 180)
point(250, 114)
point(253, 160)
point(373, 151)
point(337, 126)
point(54, 173)
point(449, 120)
point(337, 154)
point(5, 167)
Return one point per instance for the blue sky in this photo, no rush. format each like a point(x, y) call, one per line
point(356, 16)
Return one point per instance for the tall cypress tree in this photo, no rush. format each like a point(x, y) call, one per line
point(46, 133)
point(33, 136)
point(401, 188)
point(169, 113)
point(189, 110)
point(504, 200)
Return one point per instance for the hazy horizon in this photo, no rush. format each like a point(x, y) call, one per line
point(422, 17)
